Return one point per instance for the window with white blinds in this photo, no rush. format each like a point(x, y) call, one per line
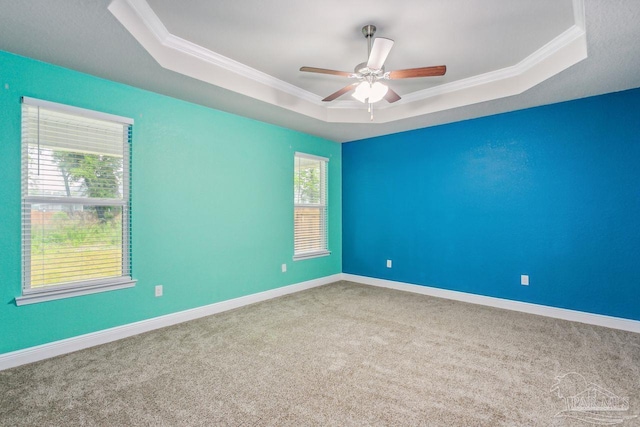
point(310, 206)
point(76, 235)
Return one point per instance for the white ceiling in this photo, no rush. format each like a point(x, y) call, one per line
point(244, 56)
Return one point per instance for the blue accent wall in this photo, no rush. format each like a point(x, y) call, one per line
point(552, 192)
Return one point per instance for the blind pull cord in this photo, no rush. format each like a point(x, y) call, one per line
point(38, 141)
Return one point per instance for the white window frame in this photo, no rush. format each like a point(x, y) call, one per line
point(48, 293)
point(322, 207)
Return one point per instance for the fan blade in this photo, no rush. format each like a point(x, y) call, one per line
point(340, 92)
point(325, 71)
point(379, 52)
point(409, 73)
point(391, 96)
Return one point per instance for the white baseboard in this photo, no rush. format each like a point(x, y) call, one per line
point(45, 351)
point(525, 307)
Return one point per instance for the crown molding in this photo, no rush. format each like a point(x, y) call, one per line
point(546, 52)
point(190, 59)
point(152, 23)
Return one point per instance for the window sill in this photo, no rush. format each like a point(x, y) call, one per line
point(55, 294)
point(311, 255)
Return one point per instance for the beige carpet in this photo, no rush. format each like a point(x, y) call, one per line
point(342, 354)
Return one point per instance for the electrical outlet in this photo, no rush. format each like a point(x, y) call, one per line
point(388, 263)
point(524, 280)
point(284, 268)
point(158, 290)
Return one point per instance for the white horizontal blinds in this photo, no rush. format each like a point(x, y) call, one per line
point(75, 205)
point(310, 205)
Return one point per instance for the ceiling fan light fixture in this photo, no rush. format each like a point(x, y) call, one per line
point(373, 92)
point(362, 92)
point(378, 91)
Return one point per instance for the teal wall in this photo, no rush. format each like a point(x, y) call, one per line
point(212, 206)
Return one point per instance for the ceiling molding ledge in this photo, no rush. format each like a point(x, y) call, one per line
point(187, 58)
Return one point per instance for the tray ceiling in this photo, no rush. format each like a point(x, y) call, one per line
point(232, 46)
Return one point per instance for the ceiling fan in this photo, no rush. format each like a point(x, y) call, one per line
point(368, 88)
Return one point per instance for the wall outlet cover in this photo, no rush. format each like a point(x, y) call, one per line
point(524, 280)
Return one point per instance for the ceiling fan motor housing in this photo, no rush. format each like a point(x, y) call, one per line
point(365, 71)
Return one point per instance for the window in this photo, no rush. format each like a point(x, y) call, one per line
point(75, 201)
point(310, 206)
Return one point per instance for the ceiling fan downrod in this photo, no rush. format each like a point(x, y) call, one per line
point(368, 31)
